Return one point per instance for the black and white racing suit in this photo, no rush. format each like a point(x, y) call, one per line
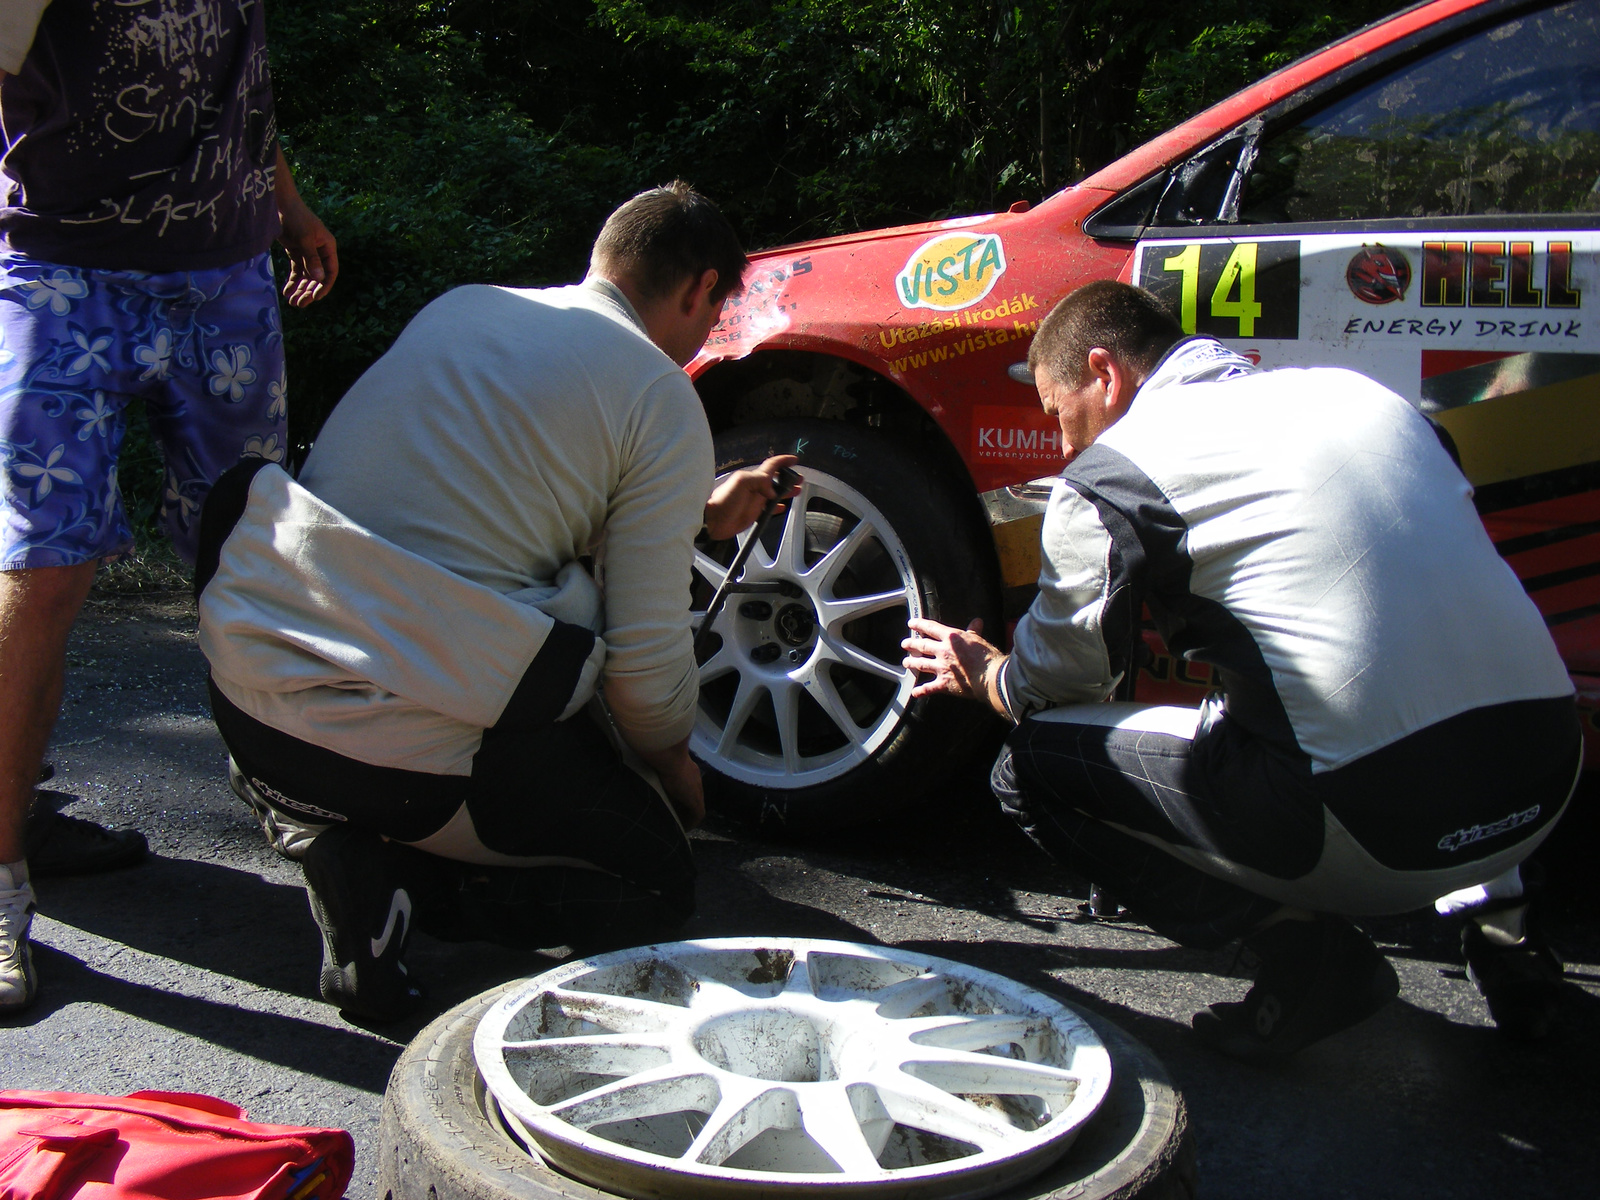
point(1393, 721)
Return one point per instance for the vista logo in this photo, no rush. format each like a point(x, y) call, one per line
point(951, 272)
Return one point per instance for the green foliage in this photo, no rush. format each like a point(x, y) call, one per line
point(448, 141)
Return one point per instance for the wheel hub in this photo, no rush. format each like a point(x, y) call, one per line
point(795, 624)
point(745, 1066)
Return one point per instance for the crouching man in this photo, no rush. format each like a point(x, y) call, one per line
point(1393, 722)
point(406, 643)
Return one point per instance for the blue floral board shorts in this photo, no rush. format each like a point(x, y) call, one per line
point(202, 349)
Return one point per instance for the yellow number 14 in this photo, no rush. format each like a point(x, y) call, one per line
point(1240, 268)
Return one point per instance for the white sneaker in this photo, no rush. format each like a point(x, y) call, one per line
point(18, 984)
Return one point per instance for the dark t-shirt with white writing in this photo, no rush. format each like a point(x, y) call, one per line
point(139, 135)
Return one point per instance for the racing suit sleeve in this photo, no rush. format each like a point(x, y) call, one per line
point(19, 21)
point(1071, 645)
point(651, 682)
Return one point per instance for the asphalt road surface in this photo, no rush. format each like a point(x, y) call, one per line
point(196, 971)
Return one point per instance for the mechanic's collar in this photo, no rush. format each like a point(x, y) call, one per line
point(614, 298)
point(1197, 360)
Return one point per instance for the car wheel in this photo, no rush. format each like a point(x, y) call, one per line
point(806, 719)
point(441, 1137)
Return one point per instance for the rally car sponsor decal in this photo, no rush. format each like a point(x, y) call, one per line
point(1021, 435)
point(1488, 331)
point(1229, 289)
point(758, 310)
point(1378, 275)
point(951, 272)
point(895, 335)
point(948, 339)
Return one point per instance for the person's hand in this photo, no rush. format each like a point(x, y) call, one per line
point(960, 661)
point(680, 779)
point(313, 254)
point(739, 499)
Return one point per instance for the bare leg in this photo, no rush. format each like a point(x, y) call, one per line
point(37, 609)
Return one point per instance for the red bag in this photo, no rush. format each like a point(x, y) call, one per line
point(161, 1146)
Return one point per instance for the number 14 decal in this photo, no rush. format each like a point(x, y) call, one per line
point(1249, 289)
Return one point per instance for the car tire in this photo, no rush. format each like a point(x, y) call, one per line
point(440, 1139)
point(925, 536)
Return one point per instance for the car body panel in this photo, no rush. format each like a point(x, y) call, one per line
point(1483, 322)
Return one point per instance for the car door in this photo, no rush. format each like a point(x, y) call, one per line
point(1432, 221)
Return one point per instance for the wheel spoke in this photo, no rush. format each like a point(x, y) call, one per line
point(709, 568)
point(800, 980)
point(599, 1054)
point(853, 656)
point(648, 1094)
point(744, 703)
point(785, 697)
point(958, 1071)
point(741, 1116)
point(790, 558)
point(719, 664)
point(976, 1033)
point(620, 1014)
point(900, 1000)
point(830, 1122)
point(822, 574)
point(832, 614)
point(920, 1105)
point(819, 684)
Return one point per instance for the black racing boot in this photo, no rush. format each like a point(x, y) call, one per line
point(1520, 980)
point(1317, 977)
point(355, 881)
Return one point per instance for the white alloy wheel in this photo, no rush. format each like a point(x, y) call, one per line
point(785, 1066)
point(802, 686)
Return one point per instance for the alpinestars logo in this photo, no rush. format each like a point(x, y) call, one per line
point(1461, 838)
point(282, 801)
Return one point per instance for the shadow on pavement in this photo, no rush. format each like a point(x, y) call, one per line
point(234, 923)
point(341, 1055)
point(221, 919)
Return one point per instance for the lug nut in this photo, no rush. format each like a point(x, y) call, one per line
point(756, 610)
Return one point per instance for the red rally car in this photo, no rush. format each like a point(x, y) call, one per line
point(1419, 201)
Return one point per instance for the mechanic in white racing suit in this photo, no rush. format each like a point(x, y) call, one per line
point(405, 642)
point(1393, 724)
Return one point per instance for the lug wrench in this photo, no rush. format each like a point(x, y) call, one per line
point(785, 479)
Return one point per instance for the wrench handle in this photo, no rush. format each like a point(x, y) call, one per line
point(785, 479)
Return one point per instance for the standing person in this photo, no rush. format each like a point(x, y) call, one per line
point(142, 189)
point(404, 643)
point(1394, 723)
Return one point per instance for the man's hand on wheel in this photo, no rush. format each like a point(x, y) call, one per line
point(960, 661)
point(739, 499)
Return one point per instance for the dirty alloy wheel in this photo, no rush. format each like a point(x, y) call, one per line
point(806, 720)
point(442, 1138)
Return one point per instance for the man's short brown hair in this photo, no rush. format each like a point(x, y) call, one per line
point(666, 235)
point(1127, 321)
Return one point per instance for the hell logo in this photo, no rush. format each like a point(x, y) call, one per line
point(952, 271)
